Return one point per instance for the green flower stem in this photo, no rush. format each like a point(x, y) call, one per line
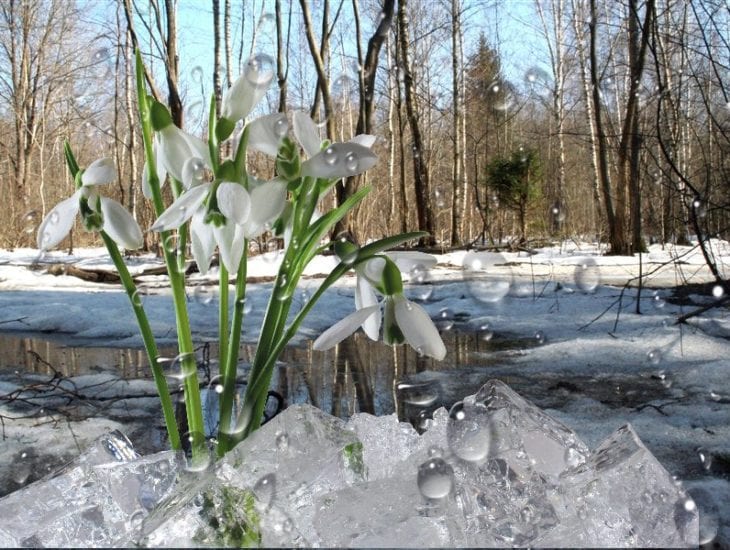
point(177, 278)
point(231, 357)
point(222, 319)
point(148, 338)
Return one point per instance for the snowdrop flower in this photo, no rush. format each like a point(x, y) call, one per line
point(246, 214)
point(99, 213)
point(174, 147)
point(338, 160)
point(248, 89)
point(403, 320)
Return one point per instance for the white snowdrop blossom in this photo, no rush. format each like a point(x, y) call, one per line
point(100, 213)
point(174, 147)
point(248, 89)
point(247, 214)
point(338, 160)
point(403, 320)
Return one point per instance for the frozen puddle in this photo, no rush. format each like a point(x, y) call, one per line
point(494, 471)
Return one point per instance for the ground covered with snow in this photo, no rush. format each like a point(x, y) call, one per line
point(593, 361)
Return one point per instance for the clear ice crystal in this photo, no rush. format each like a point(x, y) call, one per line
point(367, 483)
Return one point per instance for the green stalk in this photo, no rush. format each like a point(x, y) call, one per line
point(222, 320)
point(148, 338)
point(231, 369)
point(177, 279)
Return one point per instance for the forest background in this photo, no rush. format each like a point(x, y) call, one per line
point(500, 123)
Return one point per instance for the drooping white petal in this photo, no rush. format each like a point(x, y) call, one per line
point(231, 240)
point(267, 202)
point(266, 133)
point(343, 328)
point(198, 147)
point(173, 150)
point(418, 328)
point(365, 297)
point(234, 201)
point(247, 90)
point(146, 189)
point(203, 241)
point(307, 133)
point(58, 222)
point(120, 225)
point(339, 160)
point(366, 140)
point(182, 209)
point(99, 172)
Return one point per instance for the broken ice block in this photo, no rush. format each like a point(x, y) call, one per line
point(622, 496)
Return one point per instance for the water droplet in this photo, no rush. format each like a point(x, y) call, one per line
point(193, 172)
point(344, 87)
point(30, 222)
point(287, 525)
point(330, 156)
point(435, 478)
point(657, 301)
point(259, 70)
point(267, 18)
point(718, 291)
point(439, 199)
point(272, 252)
point(557, 214)
point(351, 162)
point(265, 491)
point(486, 279)
point(699, 208)
point(138, 297)
point(419, 287)
point(55, 217)
point(709, 517)
point(539, 81)
point(202, 295)
point(282, 441)
point(705, 458)
point(484, 332)
point(196, 74)
point(654, 357)
point(180, 367)
point(587, 275)
point(102, 55)
point(445, 319)
point(539, 337)
point(419, 394)
point(468, 431)
point(200, 461)
point(502, 95)
point(281, 126)
point(435, 451)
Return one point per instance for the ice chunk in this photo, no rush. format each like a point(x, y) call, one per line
point(639, 502)
point(508, 476)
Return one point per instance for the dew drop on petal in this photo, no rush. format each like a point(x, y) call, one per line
point(351, 162)
point(55, 217)
point(281, 127)
point(435, 478)
point(330, 156)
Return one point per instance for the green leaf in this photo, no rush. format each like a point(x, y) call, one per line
point(224, 128)
point(73, 166)
point(371, 249)
point(159, 116)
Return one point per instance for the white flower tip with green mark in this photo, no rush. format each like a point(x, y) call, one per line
point(418, 329)
point(99, 172)
point(339, 160)
point(120, 225)
point(343, 328)
point(58, 222)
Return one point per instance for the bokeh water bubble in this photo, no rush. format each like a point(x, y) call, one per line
point(202, 295)
point(259, 69)
point(197, 74)
point(587, 275)
point(657, 300)
point(435, 478)
point(419, 394)
point(654, 356)
point(419, 287)
point(718, 291)
point(487, 277)
point(444, 320)
point(31, 220)
point(265, 491)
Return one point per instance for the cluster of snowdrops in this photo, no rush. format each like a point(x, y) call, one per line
point(219, 206)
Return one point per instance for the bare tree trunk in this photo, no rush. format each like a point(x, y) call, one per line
point(171, 67)
point(420, 168)
point(616, 231)
point(227, 41)
point(457, 166)
point(367, 103)
point(281, 54)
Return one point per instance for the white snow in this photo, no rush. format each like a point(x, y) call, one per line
point(595, 337)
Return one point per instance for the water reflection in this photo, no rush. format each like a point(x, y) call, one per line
point(358, 375)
